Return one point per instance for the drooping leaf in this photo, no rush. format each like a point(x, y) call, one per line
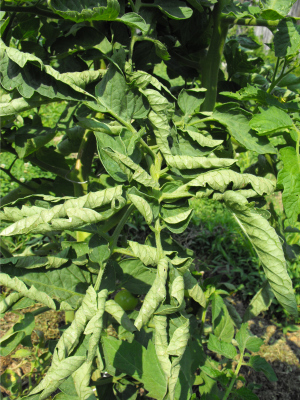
point(289, 178)
point(136, 277)
point(161, 343)
point(188, 162)
point(222, 323)
point(259, 364)
point(267, 246)
point(190, 100)
point(119, 314)
point(55, 218)
point(260, 302)
point(155, 296)
point(143, 206)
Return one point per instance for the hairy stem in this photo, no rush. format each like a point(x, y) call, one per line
point(236, 372)
point(211, 64)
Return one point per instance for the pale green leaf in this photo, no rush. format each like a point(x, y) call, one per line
point(55, 218)
point(220, 180)
point(9, 301)
point(31, 293)
point(82, 378)
point(289, 178)
point(161, 130)
point(161, 343)
point(194, 289)
point(155, 296)
point(189, 162)
point(133, 20)
point(147, 254)
point(157, 101)
point(143, 206)
point(120, 315)
point(203, 140)
point(267, 246)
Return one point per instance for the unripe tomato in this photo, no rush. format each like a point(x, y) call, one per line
point(126, 300)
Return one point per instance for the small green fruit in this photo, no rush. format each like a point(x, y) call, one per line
point(126, 300)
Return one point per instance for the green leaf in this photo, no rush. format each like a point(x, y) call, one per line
point(55, 218)
point(117, 99)
point(157, 101)
point(194, 289)
point(267, 246)
point(143, 206)
point(130, 359)
point(246, 340)
point(173, 9)
point(147, 254)
point(220, 347)
point(79, 11)
point(222, 323)
point(120, 315)
point(9, 301)
point(260, 302)
point(9, 343)
point(203, 140)
point(188, 162)
point(236, 121)
point(82, 378)
point(51, 284)
point(155, 296)
point(32, 293)
point(136, 277)
point(289, 178)
point(220, 179)
point(161, 343)
point(276, 9)
point(189, 100)
point(244, 393)
point(270, 121)
point(287, 38)
point(133, 20)
point(29, 140)
point(259, 364)
point(161, 130)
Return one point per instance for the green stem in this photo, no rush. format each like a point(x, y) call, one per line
point(120, 250)
point(211, 64)
point(15, 179)
point(297, 144)
point(249, 21)
point(31, 10)
point(116, 234)
point(274, 76)
point(132, 43)
point(40, 311)
point(99, 277)
point(158, 228)
point(236, 372)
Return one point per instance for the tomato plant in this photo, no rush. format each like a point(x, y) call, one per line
point(126, 300)
point(128, 141)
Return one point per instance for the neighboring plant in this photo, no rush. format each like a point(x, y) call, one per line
point(157, 147)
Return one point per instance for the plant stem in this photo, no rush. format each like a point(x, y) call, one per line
point(249, 21)
point(40, 311)
point(158, 228)
point(116, 234)
point(132, 43)
point(120, 250)
point(236, 372)
point(30, 10)
point(297, 144)
point(211, 64)
point(99, 277)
